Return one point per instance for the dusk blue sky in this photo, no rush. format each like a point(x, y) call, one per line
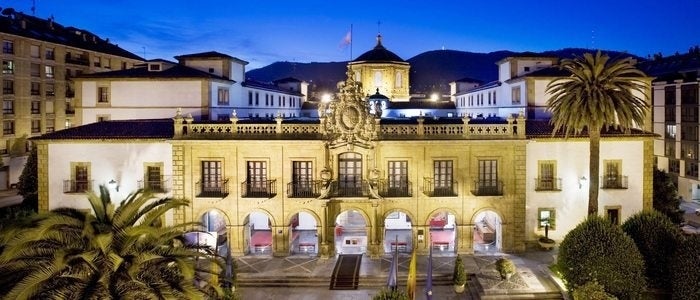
point(262, 32)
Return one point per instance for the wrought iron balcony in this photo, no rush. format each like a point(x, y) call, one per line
point(76, 60)
point(259, 189)
point(400, 188)
point(613, 182)
point(212, 189)
point(547, 184)
point(345, 188)
point(304, 189)
point(431, 188)
point(161, 185)
point(487, 188)
point(77, 186)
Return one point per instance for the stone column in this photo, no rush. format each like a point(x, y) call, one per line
point(325, 246)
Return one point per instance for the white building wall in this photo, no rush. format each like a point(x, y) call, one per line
point(156, 93)
point(121, 161)
point(571, 203)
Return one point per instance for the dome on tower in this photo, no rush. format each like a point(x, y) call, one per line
point(378, 54)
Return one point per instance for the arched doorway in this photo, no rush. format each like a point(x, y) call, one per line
point(214, 223)
point(443, 232)
point(258, 234)
point(350, 233)
point(487, 232)
point(398, 235)
point(303, 237)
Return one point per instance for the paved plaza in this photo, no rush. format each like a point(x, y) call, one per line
point(305, 277)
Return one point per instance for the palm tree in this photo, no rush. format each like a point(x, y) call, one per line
point(111, 253)
point(599, 93)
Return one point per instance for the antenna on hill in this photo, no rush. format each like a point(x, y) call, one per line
point(593, 39)
point(33, 7)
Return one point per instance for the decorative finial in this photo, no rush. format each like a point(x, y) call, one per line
point(234, 113)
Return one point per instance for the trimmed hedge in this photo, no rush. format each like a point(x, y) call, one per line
point(597, 250)
point(656, 238)
point(685, 266)
point(591, 291)
point(388, 294)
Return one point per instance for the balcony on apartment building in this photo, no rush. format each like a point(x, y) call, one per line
point(613, 182)
point(304, 189)
point(77, 60)
point(161, 185)
point(394, 188)
point(547, 184)
point(439, 188)
point(487, 188)
point(259, 188)
point(77, 186)
point(212, 189)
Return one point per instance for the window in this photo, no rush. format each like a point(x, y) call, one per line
point(691, 168)
point(689, 150)
point(153, 177)
point(211, 177)
point(689, 132)
point(302, 178)
point(96, 61)
point(670, 148)
point(256, 178)
point(670, 114)
point(670, 95)
point(8, 67)
point(8, 87)
point(50, 125)
point(266, 99)
point(103, 94)
point(36, 107)
point(49, 107)
point(35, 70)
point(80, 178)
point(102, 118)
point(526, 69)
point(674, 166)
point(377, 78)
point(48, 71)
point(515, 95)
point(689, 113)
point(34, 51)
point(50, 89)
point(546, 216)
point(8, 47)
point(398, 178)
point(36, 126)
point(399, 80)
point(250, 98)
point(612, 174)
point(223, 96)
point(350, 174)
point(547, 180)
point(442, 173)
point(107, 63)
point(8, 106)
point(671, 131)
point(69, 123)
point(689, 94)
point(35, 89)
point(154, 67)
point(613, 214)
point(50, 54)
point(488, 178)
point(8, 127)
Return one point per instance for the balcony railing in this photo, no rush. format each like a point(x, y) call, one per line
point(613, 182)
point(547, 184)
point(161, 185)
point(70, 93)
point(439, 189)
point(70, 110)
point(401, 188)
point(212, 189)
point(76, 60)
point(259, 189)
point(304, 189)
point(350, 188)
point(77, 186)
point(487, 188)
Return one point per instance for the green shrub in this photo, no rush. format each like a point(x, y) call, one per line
point(505, 266)
point(592, 290)
point(685, 269)
point(388, 294)
point(598, 250)
point(656, 238)
point(459, 276)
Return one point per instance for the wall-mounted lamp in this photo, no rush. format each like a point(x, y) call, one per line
point(113, 184)
point(581, 181)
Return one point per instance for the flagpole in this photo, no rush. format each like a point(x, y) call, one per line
point(350, 42)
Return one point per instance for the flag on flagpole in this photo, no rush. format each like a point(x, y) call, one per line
point(393, 270)
point(429, 278)
point(346, 41)
point(411, 282)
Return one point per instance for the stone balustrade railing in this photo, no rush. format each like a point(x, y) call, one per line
point(185, 127)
